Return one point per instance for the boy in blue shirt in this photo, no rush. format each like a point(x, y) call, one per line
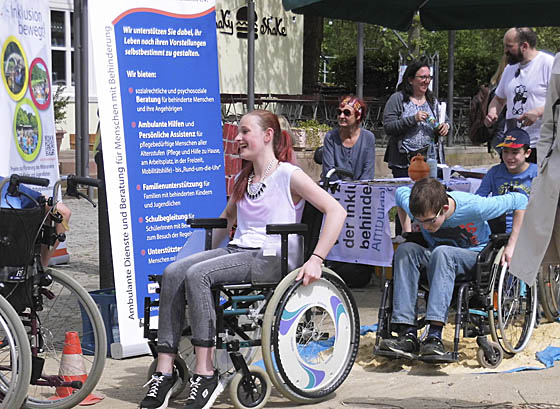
point(454, 224)
point(514, 173)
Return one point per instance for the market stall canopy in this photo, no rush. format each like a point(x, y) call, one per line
point(435, 14)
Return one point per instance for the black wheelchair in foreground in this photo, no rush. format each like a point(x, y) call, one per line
point(492, 302)
point(43, 307)
point(308, 335)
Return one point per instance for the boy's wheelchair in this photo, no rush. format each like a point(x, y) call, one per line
point(308, 335)
point(492, 301)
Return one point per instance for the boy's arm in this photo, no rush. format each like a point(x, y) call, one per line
point(485, 187)
point(516, 227)
point(405, 220)
point(495, 206)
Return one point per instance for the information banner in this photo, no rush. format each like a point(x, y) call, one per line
point(366, 235)
point(26, 117)
point(159, 106)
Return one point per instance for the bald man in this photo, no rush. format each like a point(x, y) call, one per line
point(523, 85)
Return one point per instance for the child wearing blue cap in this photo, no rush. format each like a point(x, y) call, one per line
point(514, 173)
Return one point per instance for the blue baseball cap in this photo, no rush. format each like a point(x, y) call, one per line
point(515, 138)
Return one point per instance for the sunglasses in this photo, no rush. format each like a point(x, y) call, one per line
point(346, 112)
point(428, 221)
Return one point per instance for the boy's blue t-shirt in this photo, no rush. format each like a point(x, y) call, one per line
point(467, 227)
point(499, 181)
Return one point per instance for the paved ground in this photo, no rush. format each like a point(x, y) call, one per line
point(368, 386)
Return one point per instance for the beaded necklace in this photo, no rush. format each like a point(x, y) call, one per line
point(256, 189)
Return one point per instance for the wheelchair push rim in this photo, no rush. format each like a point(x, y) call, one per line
point(15, 358)
point(310, 336)
point(515, 310)
point(549, 291)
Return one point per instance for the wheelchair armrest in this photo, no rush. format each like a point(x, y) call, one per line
point(415, 237)
point(156, 278)
point(486, 256)
point(290, 228)
point(207, 223)
point(499, 239)
point(284, 230)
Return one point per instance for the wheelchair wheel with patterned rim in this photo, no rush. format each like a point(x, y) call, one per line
point(320, 323)
point(516, 311)
point(549, 291)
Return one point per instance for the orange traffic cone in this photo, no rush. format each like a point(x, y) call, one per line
point(72, 368)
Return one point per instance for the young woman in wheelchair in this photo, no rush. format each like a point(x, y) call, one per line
point(454, 225)
point(269, 189)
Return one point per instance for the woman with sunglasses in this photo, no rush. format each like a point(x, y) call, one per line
point(349, 146)
point(410, 117)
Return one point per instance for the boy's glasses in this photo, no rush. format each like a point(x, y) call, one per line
point(429, 221)
point(346, 112)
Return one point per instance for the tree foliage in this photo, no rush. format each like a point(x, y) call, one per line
point(477, 54)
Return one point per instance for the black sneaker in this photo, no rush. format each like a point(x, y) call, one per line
point(161, 388)
point(204, 392)
point(432, 346)
point(405, 346)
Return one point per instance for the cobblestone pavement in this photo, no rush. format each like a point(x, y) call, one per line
point(428, 388)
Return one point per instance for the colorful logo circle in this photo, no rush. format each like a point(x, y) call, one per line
point(14, 68)
point(40, 83)
point(27, 130)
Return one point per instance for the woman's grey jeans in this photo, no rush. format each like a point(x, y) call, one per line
point(191, 278)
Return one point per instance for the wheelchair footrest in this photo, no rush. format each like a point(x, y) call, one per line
point(391, 354)
point(447, 358)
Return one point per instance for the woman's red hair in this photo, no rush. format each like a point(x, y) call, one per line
point(281, 143)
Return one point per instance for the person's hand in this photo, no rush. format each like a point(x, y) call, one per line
point(507, 254)
point(491, 117)
point(421, 116)
point(310, 271)
point(443, 129)
point(528, 118)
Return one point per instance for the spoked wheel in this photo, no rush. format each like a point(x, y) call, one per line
point(549, 291)
point(182, 372)
point(310, 337)
point(516, 311)
point(250, 391)
point(65, 306)
point(15, 358)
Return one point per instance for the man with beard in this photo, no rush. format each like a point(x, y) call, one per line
point(523, 85)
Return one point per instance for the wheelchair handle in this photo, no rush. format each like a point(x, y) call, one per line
point(80, 180)
point(15, 180)
point(339, 172)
